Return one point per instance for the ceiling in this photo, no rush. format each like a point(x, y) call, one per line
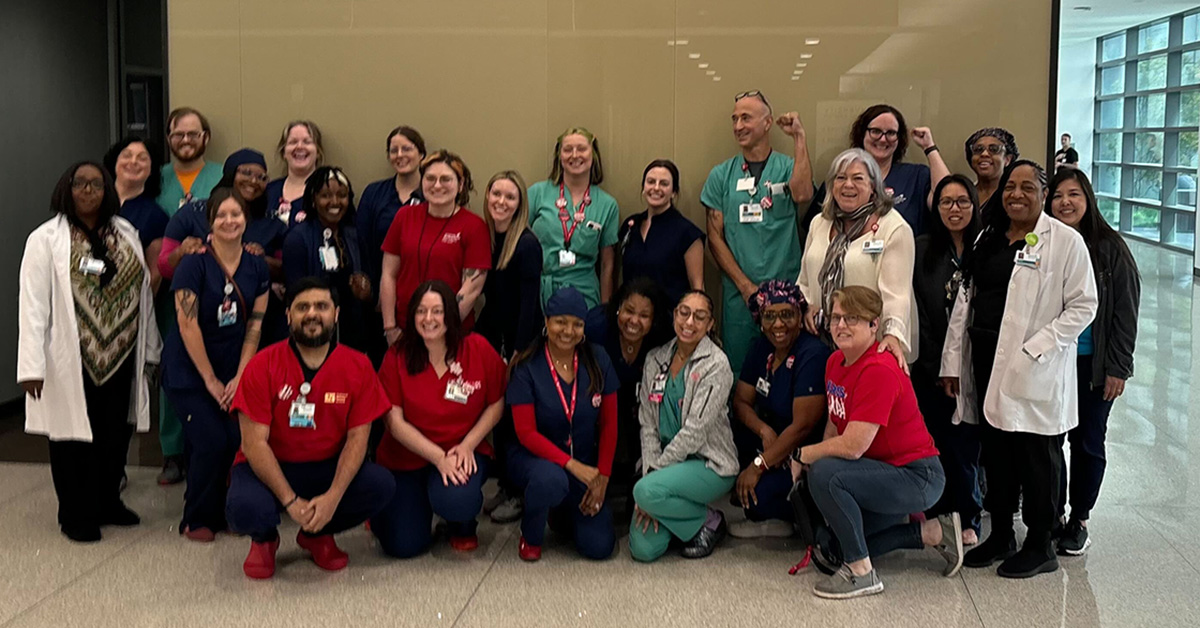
point(1108, 16)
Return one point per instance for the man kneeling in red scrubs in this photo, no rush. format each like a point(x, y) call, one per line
point(305, 406)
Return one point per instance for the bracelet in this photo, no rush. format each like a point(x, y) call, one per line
point(931, 149)
point(289, 504)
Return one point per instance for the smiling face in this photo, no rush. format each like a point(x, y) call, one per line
point(300, 151)
point(575, 155)
point(311, 317)
point(751, 121)
point(431, 317)
point(955, 208)
point(781, 324)
point(1024, 195)
point(332, 201)
point(503, 199)
point(440, 184)
point(187, 138)
point(851, 334)
point(988, 158)
point(1069, 203)
point(693, 319)
point(563, 332)
point(229, 222)
point(852, 187)
point(87, 190)
point(403, 155)
point(882, 137)
point(635, 318)
point(133, 164)
point(658, 188)
point(250, 181)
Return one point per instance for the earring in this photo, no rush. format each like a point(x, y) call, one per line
point(545, 333)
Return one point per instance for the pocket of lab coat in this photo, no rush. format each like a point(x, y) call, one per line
point(1028, 379)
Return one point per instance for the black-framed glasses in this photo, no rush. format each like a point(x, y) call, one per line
point(877, 133)
point(991, 149)
point(252, 175)
point(787, 316)
point(752, 94)
point(95, 185)
point(962, 202)
point(190, 135)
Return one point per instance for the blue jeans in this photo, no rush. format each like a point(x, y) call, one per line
point(403, 526)
point(865, 502)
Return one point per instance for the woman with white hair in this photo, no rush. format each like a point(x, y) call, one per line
point(858, 240)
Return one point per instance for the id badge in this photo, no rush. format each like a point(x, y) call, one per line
point(302, 415)
point(750, 213)
point(227, 313)
point(566, 258)
point(455, 393)
point(329, 258)
point(91, 266)
point(1028, 260)
point(873, 246)
point(763, 387)
point(745, 184)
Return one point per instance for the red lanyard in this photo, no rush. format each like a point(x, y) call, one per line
point(569, 410)
point(564, 216)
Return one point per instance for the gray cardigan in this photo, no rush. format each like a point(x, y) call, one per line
point(705, 431)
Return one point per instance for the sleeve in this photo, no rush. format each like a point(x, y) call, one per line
point(712, 393)
point(520, 387)
point(921, 198)
point(895, 285)
point(809, 378)
point(608, 433)
point(814, 207)
point(525, 423)
point(254, 396)
point(691, 233)
point(1122, 335)
point(529, 265)
point(364, 221)
point(808, 276)
point(393, 241)
point(754, 362)
point(274, 245)
point(263, 281)
point(952, 348)
point(1079, 300)
point(612, 382)
point(177, 228)
point(164, 258)
point(873, 402)
point(295, 257)
point(1072, 156)
point(477, 244)
point(535, 200)
point(371, 401)
point(612, 222)
point(34, 308)
point(389, 376)
point(714, 192)
point(493, 369)
point(156, 223)
point(189, 275)
point(648, 419)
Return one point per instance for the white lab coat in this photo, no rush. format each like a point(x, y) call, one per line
point(48, 336)
point(1033, 387)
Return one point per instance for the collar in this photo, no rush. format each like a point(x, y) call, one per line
point(311, 373)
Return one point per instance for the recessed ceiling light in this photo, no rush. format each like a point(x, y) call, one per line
point(716, 78)
point(797, 72)
point(681, 42)
point(802, 65)
point(806, 55)
point(812, 41)
point(670, 42)
point(693, 55)
point(702, 65)
point(795, 78)
point(710, 73)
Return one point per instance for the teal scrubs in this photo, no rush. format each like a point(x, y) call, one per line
point(601, 220)
point(173, 197)
point(670, 411)
point(764, 250)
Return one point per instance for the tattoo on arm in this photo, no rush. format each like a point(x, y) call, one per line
point(470, 274)
point(187, 302)
point(257, 316)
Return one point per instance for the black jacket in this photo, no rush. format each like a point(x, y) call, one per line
point(1115, 329)
point(930, 281)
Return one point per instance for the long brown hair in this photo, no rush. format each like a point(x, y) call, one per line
point(416, 356)
point(597, 172)
point(520, 219)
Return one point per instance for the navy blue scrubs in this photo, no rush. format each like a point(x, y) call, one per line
point(301, 258)
point(802, 374)
point(211, 434)
point(660, 256)
point(548, 486)
point(295, 210)
point(629, 374)
point(144, 213)
point(377, 206)
point(909, 185)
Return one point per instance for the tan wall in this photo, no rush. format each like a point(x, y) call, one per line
point(497, 81)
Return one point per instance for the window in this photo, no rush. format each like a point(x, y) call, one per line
point(1146, 137)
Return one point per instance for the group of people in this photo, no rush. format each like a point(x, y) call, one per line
point(377, 357)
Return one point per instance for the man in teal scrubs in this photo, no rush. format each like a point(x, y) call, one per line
point(188, 177)
point(752, 219)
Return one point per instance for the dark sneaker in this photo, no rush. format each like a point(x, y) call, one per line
point(706, 540)
point(82, 533)
point(1074, 540)
point(951, 547)
point(844, 585)
point(1027, 563)
point(995, 547)
point(119, 515)
point(172, 472)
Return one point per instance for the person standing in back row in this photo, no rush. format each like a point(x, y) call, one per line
point(188, 177)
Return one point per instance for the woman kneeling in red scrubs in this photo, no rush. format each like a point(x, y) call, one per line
point(447, 393)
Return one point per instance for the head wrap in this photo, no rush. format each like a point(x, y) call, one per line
point(243, 157)
point(775, 292)
point(567, 302)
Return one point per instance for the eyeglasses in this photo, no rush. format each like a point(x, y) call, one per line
point(962, 202)
point(876, 133)
point(683, 313)
point(95, 185)
point(444, 180)
point(849, 319)
point(252, 175)
point(403, 149)
point(752, 94)
point(190, 135)
point(991, 149)
point(787, 316)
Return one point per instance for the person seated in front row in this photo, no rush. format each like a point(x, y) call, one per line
point(305, 406)
point(447, 392)
point(779, 404)
point(688, 456)
point(563, 394)
point(877, 462)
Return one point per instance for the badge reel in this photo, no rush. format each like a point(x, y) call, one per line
point(227, 314)
point(328, 254)
point(1029, 259)
point(303, 414)
point(91, 266)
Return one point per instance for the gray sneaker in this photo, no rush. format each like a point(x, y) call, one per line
point(844, 585)
point(509, 511)
point(951, 547)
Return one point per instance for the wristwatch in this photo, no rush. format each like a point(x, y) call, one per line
point(760, 463)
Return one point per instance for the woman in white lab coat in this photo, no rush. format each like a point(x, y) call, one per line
point(86, 334)
point(1009, 357)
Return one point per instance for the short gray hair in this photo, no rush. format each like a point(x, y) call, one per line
point(882, 200)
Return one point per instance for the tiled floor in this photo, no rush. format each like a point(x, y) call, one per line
point(1142, 570)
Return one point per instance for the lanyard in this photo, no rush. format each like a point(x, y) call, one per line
point(563, 216)
point(569, 410)
point(423, 270)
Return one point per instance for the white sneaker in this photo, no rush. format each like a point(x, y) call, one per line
point(771, 528)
